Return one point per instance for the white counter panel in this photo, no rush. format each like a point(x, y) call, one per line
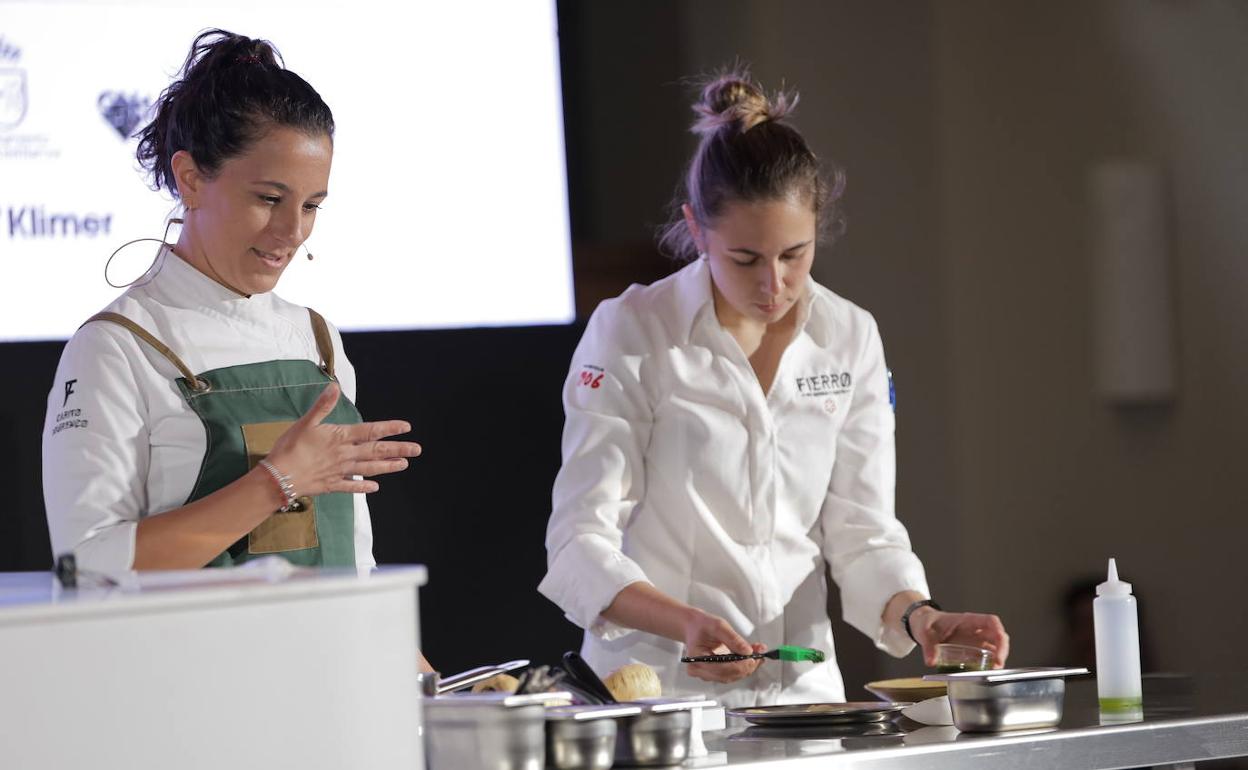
point(317, 671)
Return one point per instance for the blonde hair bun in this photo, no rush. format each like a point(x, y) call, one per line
point(747, 151)
point(734, 99)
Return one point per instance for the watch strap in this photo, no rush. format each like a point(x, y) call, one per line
point(905, 616)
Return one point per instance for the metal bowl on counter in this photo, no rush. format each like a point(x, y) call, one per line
point(583, 737)
point(655, 733)
point(653, 738)
point(1007, 699)
point(662, 734)
point(489, 731)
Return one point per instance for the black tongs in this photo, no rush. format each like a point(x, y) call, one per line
point(572, 674)
point(582, 677)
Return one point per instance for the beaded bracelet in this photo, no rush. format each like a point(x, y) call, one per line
point(284, 484)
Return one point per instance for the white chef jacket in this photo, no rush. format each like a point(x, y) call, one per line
point(679, 471)
point(120, 442)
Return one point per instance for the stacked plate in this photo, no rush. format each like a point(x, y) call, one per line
point(807, 714)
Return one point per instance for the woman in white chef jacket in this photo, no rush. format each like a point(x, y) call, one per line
point(201, 419)
point(729, 431)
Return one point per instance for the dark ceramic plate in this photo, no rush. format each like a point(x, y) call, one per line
point(819, 713)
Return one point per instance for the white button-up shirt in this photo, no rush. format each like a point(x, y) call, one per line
point(120, 442)
point(678, 470)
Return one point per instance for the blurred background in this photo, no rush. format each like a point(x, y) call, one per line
point(971, 133)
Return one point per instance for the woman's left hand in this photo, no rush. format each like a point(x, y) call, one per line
point(932, 627)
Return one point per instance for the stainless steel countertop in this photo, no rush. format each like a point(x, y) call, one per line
point(1186, 719)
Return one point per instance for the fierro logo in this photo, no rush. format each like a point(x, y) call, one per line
point(69, 391)
point(12, 86)
point(123, 112)
point(828, 384)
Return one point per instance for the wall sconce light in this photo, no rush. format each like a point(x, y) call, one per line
point(1132, 294)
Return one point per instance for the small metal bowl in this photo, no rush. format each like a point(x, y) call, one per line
point(1007, 699)
point(653, 738)
point(583, 737)
point(494, 730)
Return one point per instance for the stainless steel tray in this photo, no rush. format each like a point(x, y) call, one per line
point(1007, 699)
point(589, 713)
point(995, 676)
point(468, 678)
point(665, 704)
point(819, 713)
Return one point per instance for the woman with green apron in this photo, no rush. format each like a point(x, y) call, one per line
point(200, 419)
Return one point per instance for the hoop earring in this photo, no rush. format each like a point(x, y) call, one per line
point(163, 241)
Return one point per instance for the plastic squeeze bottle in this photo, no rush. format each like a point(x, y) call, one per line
point(1117, 645)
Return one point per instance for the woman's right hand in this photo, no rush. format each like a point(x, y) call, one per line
point(707, 634)
point(642, 606)
point(321, 458)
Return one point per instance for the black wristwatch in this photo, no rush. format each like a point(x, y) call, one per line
point(905, 616)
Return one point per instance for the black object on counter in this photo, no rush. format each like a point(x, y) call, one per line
point(67, 570)
point(583, 677)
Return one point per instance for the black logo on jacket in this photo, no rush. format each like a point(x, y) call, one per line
point(829, 384)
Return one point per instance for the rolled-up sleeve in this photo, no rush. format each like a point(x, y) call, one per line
point(607, 427)
point(95, 453)
point(867, 548)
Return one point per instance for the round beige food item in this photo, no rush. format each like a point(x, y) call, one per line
point(497, 683)
point(633, 681)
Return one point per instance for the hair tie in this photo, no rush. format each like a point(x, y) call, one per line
point(248, 59)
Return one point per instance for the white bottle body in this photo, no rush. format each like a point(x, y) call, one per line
point(1117, 652)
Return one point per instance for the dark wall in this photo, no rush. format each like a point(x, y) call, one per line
point(485, 406)
point(29, 368)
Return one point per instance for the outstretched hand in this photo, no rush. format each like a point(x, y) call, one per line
point(321, 457)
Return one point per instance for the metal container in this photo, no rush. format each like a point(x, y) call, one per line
point(485, 731)
point(654, 737)
point(1007, 699)
point(583, 737)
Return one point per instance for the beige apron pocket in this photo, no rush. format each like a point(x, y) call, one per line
point(290, 531)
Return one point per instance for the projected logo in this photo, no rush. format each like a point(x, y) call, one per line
point(12, 86)
point(123, 112)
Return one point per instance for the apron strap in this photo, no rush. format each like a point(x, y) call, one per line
point(157, 345)
point(324, 343)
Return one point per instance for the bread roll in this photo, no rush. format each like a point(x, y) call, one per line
point(497, 683)
point(636, 680)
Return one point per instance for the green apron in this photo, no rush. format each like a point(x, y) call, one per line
point(244, 409)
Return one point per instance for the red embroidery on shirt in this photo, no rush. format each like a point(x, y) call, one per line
point(591, 376)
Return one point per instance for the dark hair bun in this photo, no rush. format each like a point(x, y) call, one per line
point(230, 91)
point(732, 99)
